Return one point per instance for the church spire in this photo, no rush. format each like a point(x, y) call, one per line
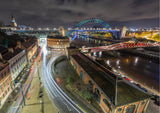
point(13, 22)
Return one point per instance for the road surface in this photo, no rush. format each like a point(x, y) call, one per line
point(63, 103)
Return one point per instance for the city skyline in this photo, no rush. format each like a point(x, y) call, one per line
point(130, 13)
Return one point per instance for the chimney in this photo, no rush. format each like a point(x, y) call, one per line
point(10, 50)
point(19, 44)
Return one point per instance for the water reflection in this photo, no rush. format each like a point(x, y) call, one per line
point(139, 69)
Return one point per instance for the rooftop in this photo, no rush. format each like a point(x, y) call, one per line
point(58, 37)
point(3, 64)
point(3, 50)
point(28, 43)
point(10, 55)
point(107, 81)
point(72, 47)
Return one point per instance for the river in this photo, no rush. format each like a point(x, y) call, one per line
point(141, 70)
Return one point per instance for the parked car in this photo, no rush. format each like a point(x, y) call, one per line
point(144, 89)
point(138, 85)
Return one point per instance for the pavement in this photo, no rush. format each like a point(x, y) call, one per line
point(36, 104)
point(152, 107)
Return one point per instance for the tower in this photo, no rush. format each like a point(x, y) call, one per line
point(13, 22)
point(62, 31)
point(123, 32)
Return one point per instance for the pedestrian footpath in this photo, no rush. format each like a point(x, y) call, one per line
point(37, 100)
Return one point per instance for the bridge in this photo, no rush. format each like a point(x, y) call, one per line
point(71, 32)
point(75, 31)
point(36, 32)
point(117, 46)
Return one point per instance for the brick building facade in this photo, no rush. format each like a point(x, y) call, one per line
point(30, 47)
point(5, 82)
point(111, 92)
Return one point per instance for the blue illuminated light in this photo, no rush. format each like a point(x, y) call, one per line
point(74, 37)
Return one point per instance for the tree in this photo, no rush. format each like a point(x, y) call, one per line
point(87, 95)
point(70, 80)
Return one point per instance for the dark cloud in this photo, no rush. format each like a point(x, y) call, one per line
point(138, 3)
point(67, 12)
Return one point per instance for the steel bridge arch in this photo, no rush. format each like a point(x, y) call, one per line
point(93, 20)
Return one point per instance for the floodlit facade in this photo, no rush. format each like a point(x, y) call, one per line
point(17, 61)
point(57, 42)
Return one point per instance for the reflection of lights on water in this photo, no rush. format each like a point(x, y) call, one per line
point(136, 60)
point(108, 62)
point(117, 62)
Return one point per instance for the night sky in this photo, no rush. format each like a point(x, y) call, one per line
point(52, 13)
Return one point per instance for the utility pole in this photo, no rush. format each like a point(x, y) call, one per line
point(38, 71)
point(116, 91)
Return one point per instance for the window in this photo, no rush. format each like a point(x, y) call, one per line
point(1, 88)
point(119, 110)
point(10, 78)
point(3, 84)
point(107, 103)
point(130, 109)
point(1, 75)
point(4, 73)
point(81, 75)
point(7, 70)
point(143, 103)
point(7, 83)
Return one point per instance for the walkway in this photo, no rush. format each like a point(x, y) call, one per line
point(36, 104)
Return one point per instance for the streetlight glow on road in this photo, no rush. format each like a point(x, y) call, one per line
point(108, 62)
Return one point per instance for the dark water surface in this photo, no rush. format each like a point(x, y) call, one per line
point(147, 72)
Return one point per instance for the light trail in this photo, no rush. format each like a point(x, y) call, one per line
point(26, 86)
point(63, 103)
